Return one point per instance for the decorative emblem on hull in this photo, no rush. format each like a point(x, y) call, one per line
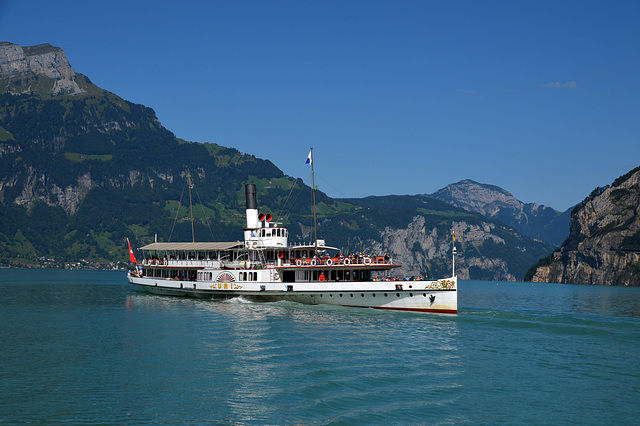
point(441, 284)
point(226, 277)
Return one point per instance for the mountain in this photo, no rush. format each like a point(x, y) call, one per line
point(40, 69)
point(417, 230)
point(604, 241)
point(533, 220)
point(81, 170)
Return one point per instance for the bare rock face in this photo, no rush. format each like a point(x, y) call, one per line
point(418, 248)
point(23, 69)
point(603, 244)
point(536, 221)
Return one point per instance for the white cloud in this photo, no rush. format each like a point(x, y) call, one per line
point(470, 92)
point(560, 85)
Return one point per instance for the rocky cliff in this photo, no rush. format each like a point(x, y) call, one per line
point(604, 242)
point(533, 220)
point(41, 68)
point(420, 248)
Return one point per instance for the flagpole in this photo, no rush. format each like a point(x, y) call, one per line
point(315, 223)
point(453, 262)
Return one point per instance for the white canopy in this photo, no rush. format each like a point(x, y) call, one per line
point(211, 246)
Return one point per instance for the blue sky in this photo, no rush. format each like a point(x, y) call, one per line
point(541, 98)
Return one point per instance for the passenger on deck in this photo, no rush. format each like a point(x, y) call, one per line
point(321, 277)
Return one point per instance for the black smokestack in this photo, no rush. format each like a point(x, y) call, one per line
point(250, 193)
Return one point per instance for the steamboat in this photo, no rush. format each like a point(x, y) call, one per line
point(265, 267)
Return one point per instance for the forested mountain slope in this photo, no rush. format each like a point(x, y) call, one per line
point(82, 169)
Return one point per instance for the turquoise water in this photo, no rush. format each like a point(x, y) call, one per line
point(86, 347)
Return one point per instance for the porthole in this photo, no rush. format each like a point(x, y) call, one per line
point(373, 294)
point(385, 295)
point(424, 294)
point(330, 295)
point(340, 294)
point(351, 294)
point(398, 294)
point(411, 294)
point(362, 295)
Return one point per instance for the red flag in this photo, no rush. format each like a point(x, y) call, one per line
point(131, 256)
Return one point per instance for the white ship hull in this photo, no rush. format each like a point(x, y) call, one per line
point(420, 296)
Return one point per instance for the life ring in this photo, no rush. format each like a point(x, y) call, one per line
point(347, 261)
point(313, 262)
point(281, 255)
point(329, 262)
point(367, 261)
point(298, 262)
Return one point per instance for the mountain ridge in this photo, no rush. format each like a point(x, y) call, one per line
point(536, 221)
point(81, 171)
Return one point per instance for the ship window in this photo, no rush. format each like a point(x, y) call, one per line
point(255, 276)
point(341, 275)
point(347, 275)
point(333, 275)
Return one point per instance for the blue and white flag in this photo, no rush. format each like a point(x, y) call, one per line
point(309, 160)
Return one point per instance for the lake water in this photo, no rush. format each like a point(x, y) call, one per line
point(87, 347)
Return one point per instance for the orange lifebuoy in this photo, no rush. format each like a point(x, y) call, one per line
point(281, 255)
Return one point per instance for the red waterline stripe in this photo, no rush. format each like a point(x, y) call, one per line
point(437, 311)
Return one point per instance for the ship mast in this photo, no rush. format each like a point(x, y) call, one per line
point(315, 223)
point(193, 234)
